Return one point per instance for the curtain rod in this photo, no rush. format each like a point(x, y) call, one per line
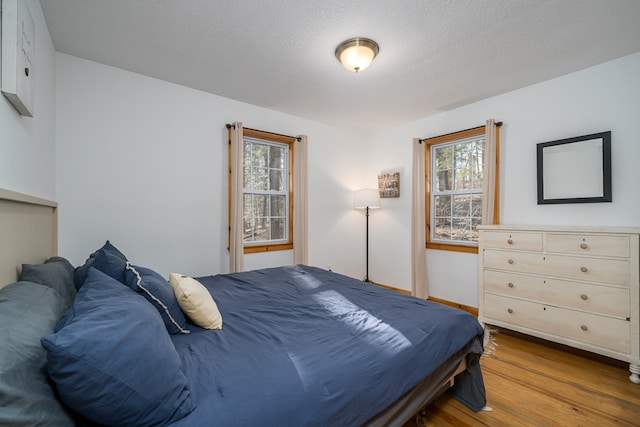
point(297, 138)
point(498, 124)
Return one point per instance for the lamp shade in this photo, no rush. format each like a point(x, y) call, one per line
point(356, 54)
point(366, 198)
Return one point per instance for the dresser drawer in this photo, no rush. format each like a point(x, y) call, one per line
point(608, 300)
point(512, 240)
point(585, 244)
point(602, 331)
point(612, 271)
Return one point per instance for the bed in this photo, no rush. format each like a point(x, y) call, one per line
point(114, 343)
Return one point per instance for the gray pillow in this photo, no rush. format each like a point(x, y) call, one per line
point(28, 311)
point(56, 273)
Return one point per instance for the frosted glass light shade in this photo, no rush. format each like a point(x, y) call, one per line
point(366, 198)
point(356, 54)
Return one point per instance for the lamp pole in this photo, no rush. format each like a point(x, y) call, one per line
point(366, 276)
point(367, 199)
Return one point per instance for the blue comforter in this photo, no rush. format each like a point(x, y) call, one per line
point(302, 346)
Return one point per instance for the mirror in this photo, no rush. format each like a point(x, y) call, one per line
point(575, 170)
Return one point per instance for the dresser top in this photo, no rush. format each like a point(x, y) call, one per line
point(562, 228)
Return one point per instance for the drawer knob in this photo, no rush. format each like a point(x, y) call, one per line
point(583, 246)
point(510, 261)
point(584, 297)
point(583, 269)
point(584, 328)
point(510, 311)
point(510, 285)
point(510, 242)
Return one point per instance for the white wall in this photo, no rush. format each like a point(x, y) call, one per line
point(27, 162)
point(601, 98)
point(143, 162)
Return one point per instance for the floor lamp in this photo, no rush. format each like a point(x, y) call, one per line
point(367, 198)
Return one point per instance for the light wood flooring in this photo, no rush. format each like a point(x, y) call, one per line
point(532, 382)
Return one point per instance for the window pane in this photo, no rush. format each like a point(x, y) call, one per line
point(444, 168)
point(276, 178)
point(261, 229)
point(477, 162)
point(443, 206)
point(475, 222)
point(248, 229)
point(443, 229)
point(278, 206)
point(277, 157)
point(476, 206)
point(444, 157)
point(260, 179)
point(461, 229)
point(259, 153)
point(246, 172)
point(248, 203)
point(278, 228)
point(246, 178)
point(260, 207)
point(246, 152)
point(444, 179)
point(462, 176)
point(462, 205)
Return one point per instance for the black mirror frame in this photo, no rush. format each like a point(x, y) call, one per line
point(606, 169)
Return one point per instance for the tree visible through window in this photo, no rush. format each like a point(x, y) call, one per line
point(454, 169)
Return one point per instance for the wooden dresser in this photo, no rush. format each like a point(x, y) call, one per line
point(576, 286)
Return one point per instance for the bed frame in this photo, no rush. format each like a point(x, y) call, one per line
point(29, 230)
point(423, 394)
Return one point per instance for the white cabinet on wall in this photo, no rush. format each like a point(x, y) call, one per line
point(577, 286)
point(18, 39)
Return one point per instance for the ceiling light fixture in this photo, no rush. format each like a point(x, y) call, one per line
point(357, 53)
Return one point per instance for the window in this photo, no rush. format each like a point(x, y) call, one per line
point(267, 191)
point(454, 172)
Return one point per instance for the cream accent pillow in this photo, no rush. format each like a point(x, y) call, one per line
point(196, 301)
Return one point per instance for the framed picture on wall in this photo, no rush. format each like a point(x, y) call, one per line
point(575, 170)
point(389, 185)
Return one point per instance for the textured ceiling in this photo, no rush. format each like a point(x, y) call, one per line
point(279, 54)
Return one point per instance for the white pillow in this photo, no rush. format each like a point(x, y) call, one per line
point(196, 301)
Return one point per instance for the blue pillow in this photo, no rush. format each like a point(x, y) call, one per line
point(107, 259)
point(110, 263)
point(56, 273)
point(158, 292)
point(27, 312)
point(112, 360)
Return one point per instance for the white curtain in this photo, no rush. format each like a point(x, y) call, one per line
point(236, 225)
point(419, 286)
point(300, 202)
point(489, 170)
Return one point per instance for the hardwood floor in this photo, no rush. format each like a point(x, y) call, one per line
point(532, 382)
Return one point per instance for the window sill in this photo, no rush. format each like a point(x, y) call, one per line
point(473, 249)
point(268, 248)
